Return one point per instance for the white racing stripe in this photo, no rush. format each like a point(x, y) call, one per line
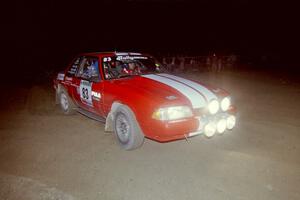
point(200, 88)
point(196, 99)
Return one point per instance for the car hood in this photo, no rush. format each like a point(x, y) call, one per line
point(170, 89)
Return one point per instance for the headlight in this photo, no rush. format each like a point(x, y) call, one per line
point(172, 113)
point(225, 103)
point(213, 107)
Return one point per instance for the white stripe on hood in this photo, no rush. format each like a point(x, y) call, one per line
point(200, 88)
point(196, 99)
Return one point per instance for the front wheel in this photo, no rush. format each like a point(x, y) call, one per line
point(127, 129)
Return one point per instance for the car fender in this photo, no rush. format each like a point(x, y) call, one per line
point(111, 115)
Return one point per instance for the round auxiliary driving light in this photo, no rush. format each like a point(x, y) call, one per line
point(231, 122)
point(225, 103)
point(221, 126)
point(213, 107)
point(210, 129)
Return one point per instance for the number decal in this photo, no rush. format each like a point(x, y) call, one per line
point(86, 92)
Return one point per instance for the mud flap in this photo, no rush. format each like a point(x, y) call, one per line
point(109, 123)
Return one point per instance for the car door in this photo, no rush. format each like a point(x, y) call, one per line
point(89, 86)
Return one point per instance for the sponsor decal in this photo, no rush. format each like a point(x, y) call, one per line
point(96, 95)
point(171, 97)
point(73, 70)
point(75, 66)
point(131, 57)
point(60, 76)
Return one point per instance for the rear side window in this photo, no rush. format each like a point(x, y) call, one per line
point(89, 69)
point(74, 67)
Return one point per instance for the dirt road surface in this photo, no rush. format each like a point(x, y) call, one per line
point(46, 155)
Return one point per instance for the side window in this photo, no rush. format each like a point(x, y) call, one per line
point(89, 69)
point(112, 68)
point(74, 67)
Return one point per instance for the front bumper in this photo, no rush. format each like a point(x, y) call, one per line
point(211, 124)
point(208, 125)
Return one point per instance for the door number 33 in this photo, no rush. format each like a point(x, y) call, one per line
point(85, 93)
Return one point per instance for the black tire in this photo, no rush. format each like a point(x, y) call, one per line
point(127, 129)
point(66, 104)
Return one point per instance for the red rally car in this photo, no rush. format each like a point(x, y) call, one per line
point(136, 98)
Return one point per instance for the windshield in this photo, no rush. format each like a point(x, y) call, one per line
point(123, 66)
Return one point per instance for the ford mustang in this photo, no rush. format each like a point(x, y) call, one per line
point(136, 97)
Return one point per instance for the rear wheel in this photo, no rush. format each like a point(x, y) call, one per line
point(127, 129)
point(66, 104)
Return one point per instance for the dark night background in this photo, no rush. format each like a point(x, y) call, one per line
point(47, 34)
